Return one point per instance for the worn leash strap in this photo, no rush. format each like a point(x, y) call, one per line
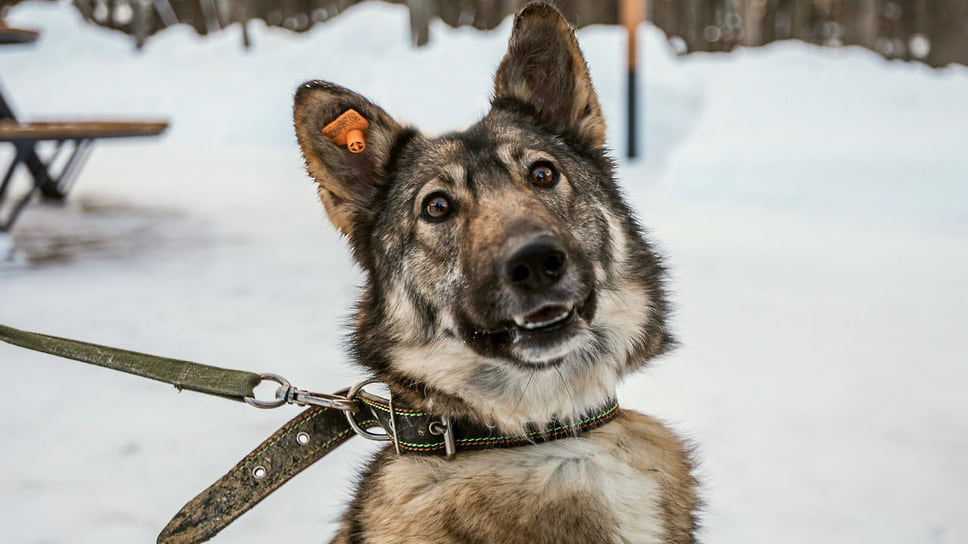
point(300, 443)
point(212, 380)
point(327, 423)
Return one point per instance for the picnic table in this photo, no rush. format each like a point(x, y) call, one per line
point(73, 138)
point(10, 35)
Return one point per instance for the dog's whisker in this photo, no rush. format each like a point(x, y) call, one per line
point(524, 392)
point(570, 391)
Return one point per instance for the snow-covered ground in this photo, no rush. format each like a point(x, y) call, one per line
point(813, 205)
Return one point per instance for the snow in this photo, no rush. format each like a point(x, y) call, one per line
point(812, 204)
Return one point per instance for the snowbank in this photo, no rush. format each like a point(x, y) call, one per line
point(812, 204)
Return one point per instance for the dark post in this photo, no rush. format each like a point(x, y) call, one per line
point(246, 40)
point(632, 14)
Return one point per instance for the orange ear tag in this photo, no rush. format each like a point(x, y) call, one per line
point(348, 129)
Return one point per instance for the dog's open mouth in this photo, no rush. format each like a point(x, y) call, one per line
point(544, 319)
point(540, 333)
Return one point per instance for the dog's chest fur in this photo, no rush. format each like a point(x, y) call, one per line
point(611, 485)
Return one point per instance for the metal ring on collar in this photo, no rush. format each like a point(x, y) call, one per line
point(356, 427)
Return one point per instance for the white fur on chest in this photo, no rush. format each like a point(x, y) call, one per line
point(528, 476)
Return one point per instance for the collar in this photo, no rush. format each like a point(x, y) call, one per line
point(421, 433)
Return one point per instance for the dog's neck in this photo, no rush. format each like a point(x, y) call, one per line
point(510, 398)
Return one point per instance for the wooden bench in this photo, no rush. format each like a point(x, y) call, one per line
point(11, 131)
point(10, 34)
point(73, 138)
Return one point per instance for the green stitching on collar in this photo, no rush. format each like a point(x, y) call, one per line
point(554, 430)
point(405, 412)
point(490, 439)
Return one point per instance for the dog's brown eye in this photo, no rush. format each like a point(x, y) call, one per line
point(437, 207)
point(544, 175)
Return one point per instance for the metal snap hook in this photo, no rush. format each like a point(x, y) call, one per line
point(282, 393)
point(287, 394)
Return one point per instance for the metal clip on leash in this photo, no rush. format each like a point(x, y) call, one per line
point(287, 394)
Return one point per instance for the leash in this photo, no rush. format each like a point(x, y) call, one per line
point(221, 382)
point(329, 421)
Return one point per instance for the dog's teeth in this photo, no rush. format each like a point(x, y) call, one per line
point(521, 321)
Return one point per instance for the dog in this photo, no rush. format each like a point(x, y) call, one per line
point(507, 285)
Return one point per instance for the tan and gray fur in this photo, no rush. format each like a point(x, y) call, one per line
point(507, 283)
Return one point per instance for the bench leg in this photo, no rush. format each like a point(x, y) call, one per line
point(23, 152)
point(8, 177)
point(36, 167)
point(52, 187)
point(55, 187)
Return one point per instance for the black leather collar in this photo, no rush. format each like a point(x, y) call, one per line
point(420, 433)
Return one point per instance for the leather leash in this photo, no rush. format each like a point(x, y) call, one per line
point(231, 384)
point(330, 420)
point(307, 438)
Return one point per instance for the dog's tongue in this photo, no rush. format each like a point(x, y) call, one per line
point(544, 314)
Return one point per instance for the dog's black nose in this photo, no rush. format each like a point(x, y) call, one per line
point(535, 263)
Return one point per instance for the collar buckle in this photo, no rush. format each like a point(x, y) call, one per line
point(443, 427)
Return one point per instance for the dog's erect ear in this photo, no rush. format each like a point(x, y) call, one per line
point(348, 183)
point(544, 69)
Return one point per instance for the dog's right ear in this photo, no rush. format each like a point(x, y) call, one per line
point(349, 184)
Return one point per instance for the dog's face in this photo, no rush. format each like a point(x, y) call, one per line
point(506, 278)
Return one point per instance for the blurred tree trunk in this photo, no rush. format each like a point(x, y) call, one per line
point(752, 16)
point(860, 22)
point(419, 21)
point(931, 31)
point(948, 24)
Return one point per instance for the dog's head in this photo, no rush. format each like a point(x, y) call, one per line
point(506, 277)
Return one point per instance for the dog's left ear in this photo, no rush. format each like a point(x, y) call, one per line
point(544, 69)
